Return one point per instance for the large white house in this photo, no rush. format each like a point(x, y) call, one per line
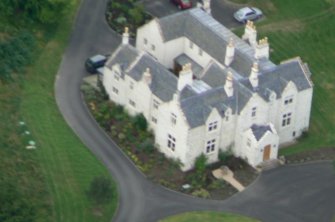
point(203, 89)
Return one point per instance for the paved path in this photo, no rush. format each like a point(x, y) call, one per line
point(295, 193)
point(228, 175)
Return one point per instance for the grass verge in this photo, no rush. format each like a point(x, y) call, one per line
point(208, 216)
point(65, 165)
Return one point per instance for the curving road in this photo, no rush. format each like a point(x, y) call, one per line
point(292, 193)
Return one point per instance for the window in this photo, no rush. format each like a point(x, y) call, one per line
point(153, 119)
point(155, 104)
point(191, 45)
point(173, 118)
point(115, 90)
point(248, 142)
point(288, 100)
point(153, 47)
point(132, 103)
point(213, 126)
point(116, 76)
point(253, 111)
point(171, 143)
point(145, 41)
point(200, 52)
point(210, 146)
point(131, 85)
point(286, 119)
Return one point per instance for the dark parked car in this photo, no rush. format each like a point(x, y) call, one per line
point(93, 63)
point(247, 13)
point(182, 4)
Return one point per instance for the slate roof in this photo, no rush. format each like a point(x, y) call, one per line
point(134, 64)
point(211, 36)
point(198, 107)
point(164, 83)
point(123, 55)
point(260, 130)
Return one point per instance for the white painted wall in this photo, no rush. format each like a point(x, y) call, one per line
point(152, 33)
point(179, 131)
point(245, 120)
point(254, 153)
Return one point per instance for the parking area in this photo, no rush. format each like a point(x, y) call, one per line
point(222, 10)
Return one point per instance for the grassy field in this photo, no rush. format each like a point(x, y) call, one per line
point(61, 166)
point(208, 216)
point(306, 29)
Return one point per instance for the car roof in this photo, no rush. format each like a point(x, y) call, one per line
point(246, 9)
point(97, 58)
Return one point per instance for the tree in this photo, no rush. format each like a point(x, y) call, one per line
point(199, 176)
point(14, 207)
point(44, 11)
point(140, 122)
point(101, 190)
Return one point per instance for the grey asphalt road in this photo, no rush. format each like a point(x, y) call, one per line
point(303, 193)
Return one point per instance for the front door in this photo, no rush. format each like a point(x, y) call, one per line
point(266, 153)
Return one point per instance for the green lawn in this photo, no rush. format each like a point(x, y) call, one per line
point(306, 29)
point(208, 216)
point(63, 165)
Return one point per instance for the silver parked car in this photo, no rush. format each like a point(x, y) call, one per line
point(247, 13)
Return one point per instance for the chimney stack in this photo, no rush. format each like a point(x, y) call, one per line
point(228, 86)
point(185, 76)
point(253, 78)
point(147, 76)
point(125, 36)
point(250, 33)
point(230, 52)
point(262, 49)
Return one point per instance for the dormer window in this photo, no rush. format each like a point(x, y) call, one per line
point(153, 47)
point(212, 126)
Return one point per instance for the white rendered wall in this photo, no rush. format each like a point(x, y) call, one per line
point(245, 119)
point(179, 131)
point(110, 82)
point(139, 93)
point(227, 131)
point(286, 132)
point(152, 33)
point(254, 153)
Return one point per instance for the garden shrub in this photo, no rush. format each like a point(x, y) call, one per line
point(147, 146)
point(201, 193)
point(100, 190)
point(140, 122)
